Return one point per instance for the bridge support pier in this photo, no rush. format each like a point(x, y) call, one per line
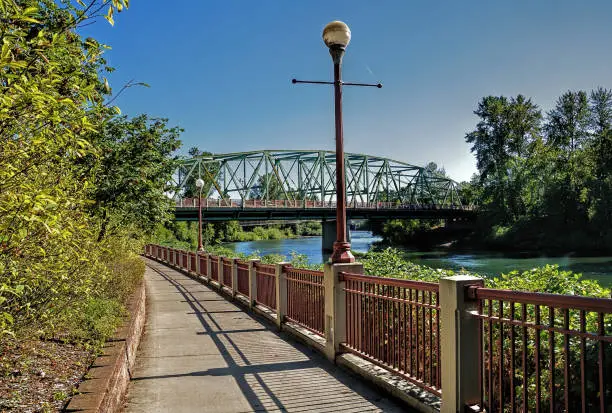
point(329, 236)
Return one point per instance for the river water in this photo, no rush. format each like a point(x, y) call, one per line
point(487, 264)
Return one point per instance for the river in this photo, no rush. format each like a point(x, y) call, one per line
point(488, 264)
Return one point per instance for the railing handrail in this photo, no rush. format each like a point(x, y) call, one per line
point(390, 282)
point(216, 203)
point(304, 271)
point(578, 302)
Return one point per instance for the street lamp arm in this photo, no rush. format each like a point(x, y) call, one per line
point(321, 82)
point(313, 82)
point(378, 85)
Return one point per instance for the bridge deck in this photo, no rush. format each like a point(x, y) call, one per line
point(201, 353)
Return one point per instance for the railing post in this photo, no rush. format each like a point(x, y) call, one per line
point(335, 306)
point(234, 276)
point(252, 283)
point(459, 344)
point(188, 253)
point(281, 293)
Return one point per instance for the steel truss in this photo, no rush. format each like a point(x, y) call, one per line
point(310, 174)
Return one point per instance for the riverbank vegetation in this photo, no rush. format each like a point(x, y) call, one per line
point(80, 188)
point(544, 180)
point(182, 234)
point(391, 262)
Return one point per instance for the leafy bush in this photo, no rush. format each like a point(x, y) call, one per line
point(97, 321)
point(391, 262)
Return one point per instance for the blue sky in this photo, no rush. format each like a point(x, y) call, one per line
point(222, 69)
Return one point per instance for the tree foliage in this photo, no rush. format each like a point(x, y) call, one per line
point(545, 179)
point(55, 123)
point(132, 176)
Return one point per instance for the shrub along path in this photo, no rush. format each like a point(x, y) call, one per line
point(201, 352)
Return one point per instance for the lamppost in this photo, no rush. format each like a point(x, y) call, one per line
point(337, 36)
point(200, 184)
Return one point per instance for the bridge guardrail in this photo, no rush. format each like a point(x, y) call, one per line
point(210, 203)
point(531, 352)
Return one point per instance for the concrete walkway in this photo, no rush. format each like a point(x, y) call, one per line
point(202, 353)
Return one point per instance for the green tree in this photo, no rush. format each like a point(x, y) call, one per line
point(506, 129)
point(567, 126)
point(52, 100)
point(601, 155)
point(268, 187)
point(132, 176)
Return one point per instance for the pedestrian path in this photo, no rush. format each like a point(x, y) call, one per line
point(202, 353)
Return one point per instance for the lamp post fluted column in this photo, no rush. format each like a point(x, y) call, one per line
point(337, 36)
point(342, 248)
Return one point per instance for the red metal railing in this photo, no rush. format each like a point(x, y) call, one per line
point(203, 264)
point(306, 298)
point(227, 272)
point(243, 286)
point(192, 257)
point(265, 275)
point(214, 268)
point(210, 203)
point(544, 352)
point(395, 324)
point(184, 259)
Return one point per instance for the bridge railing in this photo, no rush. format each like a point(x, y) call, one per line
point(506, 350)
point(210, 203)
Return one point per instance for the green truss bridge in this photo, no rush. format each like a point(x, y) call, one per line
point(294, 185)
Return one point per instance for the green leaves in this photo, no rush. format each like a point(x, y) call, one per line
point(136, 162)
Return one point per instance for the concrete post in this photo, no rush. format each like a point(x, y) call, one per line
point(252, 283)
point(188, 253)
point(335, 306)
point(459, 344)
point(281, 293)
point(234, 276)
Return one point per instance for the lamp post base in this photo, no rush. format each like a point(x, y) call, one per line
point(342, 253)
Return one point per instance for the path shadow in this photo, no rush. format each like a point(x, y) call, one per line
point(264, 382)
